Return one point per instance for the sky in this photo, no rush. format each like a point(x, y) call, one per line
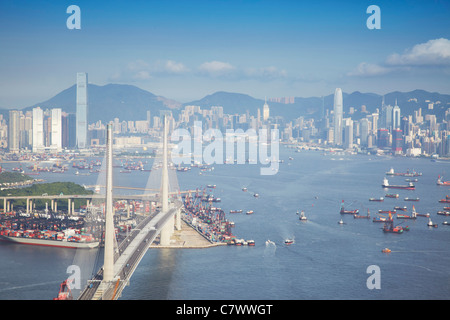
point(185, 50)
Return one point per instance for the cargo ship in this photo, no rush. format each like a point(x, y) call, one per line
point(236, 211)
point(442, 183)
point(411, 199)
point(446, 200)
point(377, 199)
point(405, 174)
point(67, 239)
point(400, 208)
point(343, 211)
point(356, 216)
point(392, 195)
point(409, 186)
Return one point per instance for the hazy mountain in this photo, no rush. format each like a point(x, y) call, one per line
point(110, 101)
point(128, 102)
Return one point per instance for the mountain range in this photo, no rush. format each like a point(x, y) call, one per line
point(128, 102)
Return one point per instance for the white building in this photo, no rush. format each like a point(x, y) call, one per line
point(56, 136)
point(338, 112)
point(38, 130)
point(82, 110)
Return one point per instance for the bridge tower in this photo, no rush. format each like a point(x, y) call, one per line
point(108, 266)
point(167, 230)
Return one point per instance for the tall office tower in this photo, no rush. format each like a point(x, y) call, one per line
point(396, 116)
point(364, 124)
point(338, 111)
point(348, 133)
point(14, 132)
point(266, 111)
point(56, 133)
point(38, 130)
point(82, 109)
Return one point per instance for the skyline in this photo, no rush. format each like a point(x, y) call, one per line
point(185, 51)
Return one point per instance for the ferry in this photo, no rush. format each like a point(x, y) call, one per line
point(386, 184)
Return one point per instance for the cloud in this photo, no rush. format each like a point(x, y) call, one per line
point(431, 53)
point(426, 56)
point(216, 68)
point(369, 70)
point(266, 73)
point(140, 70)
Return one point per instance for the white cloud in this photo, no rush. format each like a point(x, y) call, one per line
point(431, 53)
point(266, 73)
point(369, 69)
point(175, 67)
point(216, 68)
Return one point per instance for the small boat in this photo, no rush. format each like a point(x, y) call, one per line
point(64, 291)
point(341, 221)
point(386, 250)
point(446, 223)
point(244, 189)
point(249, 212)
point(411, 199)
point(431, 224)
point(256, 195)
point(289, 241)
point(251, 243)
point(301, 216)
point(377, 199)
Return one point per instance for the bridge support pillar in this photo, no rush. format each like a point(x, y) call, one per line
point(69, 206)
point(178, 220)
point(165, 234)
point(28, 205)
point(4, 205)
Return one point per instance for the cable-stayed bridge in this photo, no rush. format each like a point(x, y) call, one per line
point(121, 260)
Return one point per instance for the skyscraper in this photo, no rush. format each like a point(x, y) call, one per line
point(38, 129)
point(56, 133)
point(266, 111)
point(338, 111)
point(13, 134)
point(82, 109)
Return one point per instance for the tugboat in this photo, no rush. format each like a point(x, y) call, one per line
point(249, 212)
point(341, 221)
point(301, 216)
point(386, 250)
point(386, 184)
point(64, 291)
point(431, 224)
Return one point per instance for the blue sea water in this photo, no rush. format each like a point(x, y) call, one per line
point(327, 260)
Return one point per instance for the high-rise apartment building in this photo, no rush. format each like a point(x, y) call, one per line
point(82, 110)
point(56, 127)
point(38, 129)
point(338, 112)
point(13, 132)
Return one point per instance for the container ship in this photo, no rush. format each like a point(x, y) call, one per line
point(67, 239)
point(386, 184)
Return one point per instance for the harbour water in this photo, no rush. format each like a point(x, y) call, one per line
point(326, 261)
